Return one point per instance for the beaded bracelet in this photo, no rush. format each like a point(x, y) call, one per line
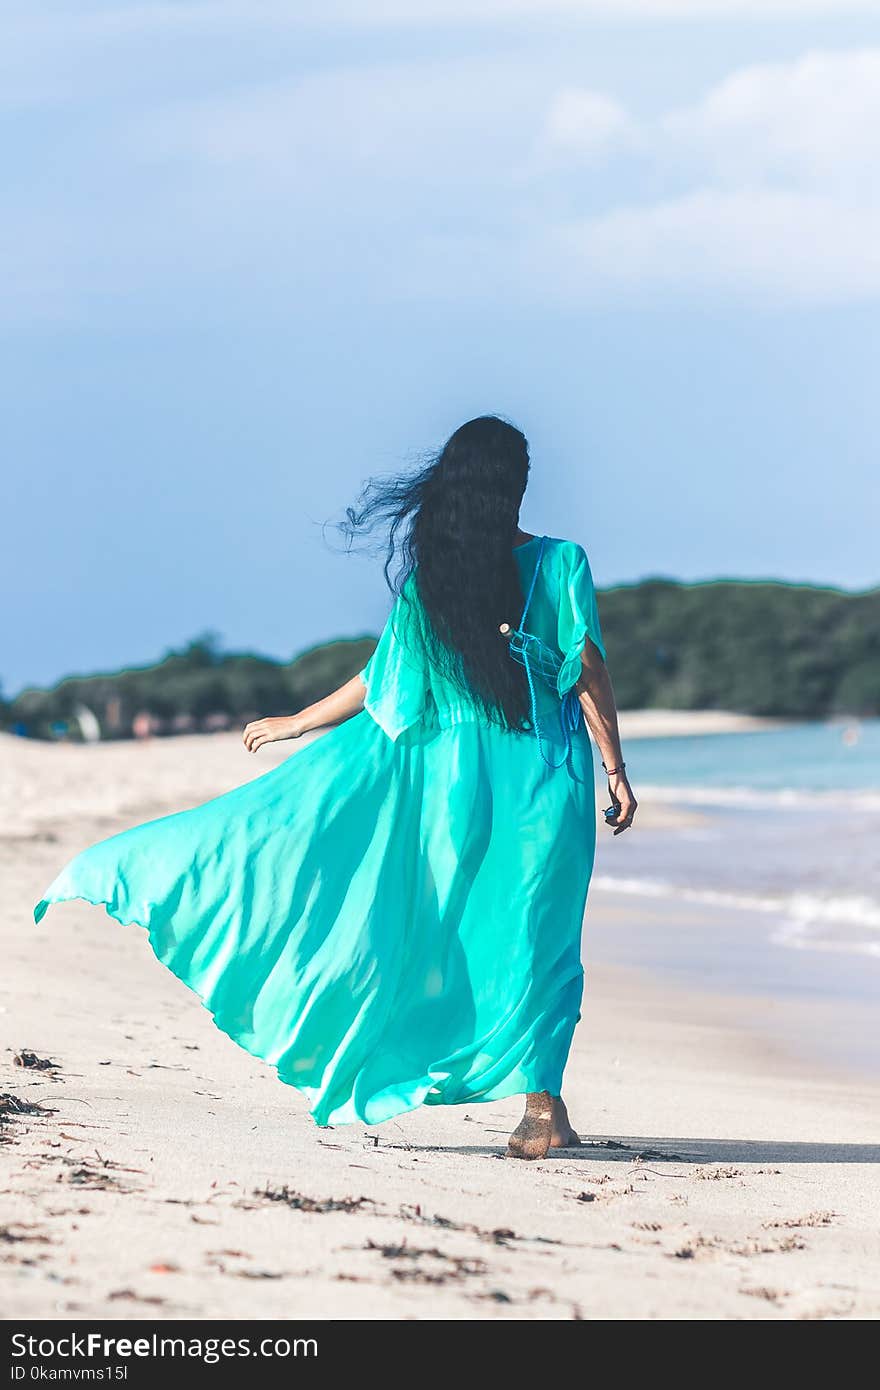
point(610, 771)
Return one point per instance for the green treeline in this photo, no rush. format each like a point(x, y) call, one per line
point(197, 688)
point(757, 648)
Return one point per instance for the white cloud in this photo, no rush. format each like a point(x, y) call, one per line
point(460, 176)
point(776, 246)
point(765, 187)
point(768, 248)
point(815, 121)
point(769, 185)
point(588, 124)
point(424, 122)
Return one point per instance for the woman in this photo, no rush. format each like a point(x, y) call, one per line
point(392, 917)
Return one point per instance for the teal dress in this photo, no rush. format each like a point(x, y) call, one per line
point(392, 916)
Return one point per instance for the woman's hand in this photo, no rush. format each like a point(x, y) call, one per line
point(623, 802)
point(261, 731)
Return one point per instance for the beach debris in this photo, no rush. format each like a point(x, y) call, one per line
point(89, 1177)
point(129, 1296)
point(658, 1155)
point(639, 1155)
point(14, 1105)
point(164, 1267)
point(16, 1241)
point(21, 1231)
point(699, 1247)
point(793, 1223)
point(756, 1246)
point(298, 1201)
point(26, 1057)
point(605, 1193)
point(119, 1167)
point(427, 1265)
point(771, 1295)
point(218, 1259)
point(14, 1108)
point(696, 1248)
point(500, 1235)
point(714, 1174)
point(97, 1174)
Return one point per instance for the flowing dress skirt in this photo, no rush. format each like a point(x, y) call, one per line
point(385, 922)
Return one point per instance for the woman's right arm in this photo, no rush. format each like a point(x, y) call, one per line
point(596, 695)
point(343, 704)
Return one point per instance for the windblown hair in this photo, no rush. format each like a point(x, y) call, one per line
point(452, 527)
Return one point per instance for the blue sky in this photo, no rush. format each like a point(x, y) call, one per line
point(252, 253)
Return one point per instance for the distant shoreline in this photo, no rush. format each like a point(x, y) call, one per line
point(634, 724)
point(682, 723)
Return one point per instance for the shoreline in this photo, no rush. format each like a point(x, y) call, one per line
point(635, 724)
point(167, 773)
point(683, 723)
point(817, 1007)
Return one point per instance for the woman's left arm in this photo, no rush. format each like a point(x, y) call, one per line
point(343, 704)
point(596, 695)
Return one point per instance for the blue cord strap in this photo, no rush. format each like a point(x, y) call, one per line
point(534, 655)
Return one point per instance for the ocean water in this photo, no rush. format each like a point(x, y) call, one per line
point(782, 825)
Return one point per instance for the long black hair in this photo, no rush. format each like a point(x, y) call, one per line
point(452, 526)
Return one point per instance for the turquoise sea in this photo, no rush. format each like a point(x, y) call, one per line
point(784, 764)
point(777, 835)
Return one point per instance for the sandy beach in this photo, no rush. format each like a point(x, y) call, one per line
point(676, 723)
point(155, 1170)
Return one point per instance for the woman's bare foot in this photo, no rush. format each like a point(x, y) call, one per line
point(531, 1138)
point(563, 1137)
point(544, 1126)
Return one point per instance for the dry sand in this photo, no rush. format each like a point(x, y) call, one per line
point(167, 1174)
point(678, 723)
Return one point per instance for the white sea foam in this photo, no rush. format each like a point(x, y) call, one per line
point(806, 921)
point(763, 797)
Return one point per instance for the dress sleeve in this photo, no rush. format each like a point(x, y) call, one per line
point(578, 616)
point(396, 675)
